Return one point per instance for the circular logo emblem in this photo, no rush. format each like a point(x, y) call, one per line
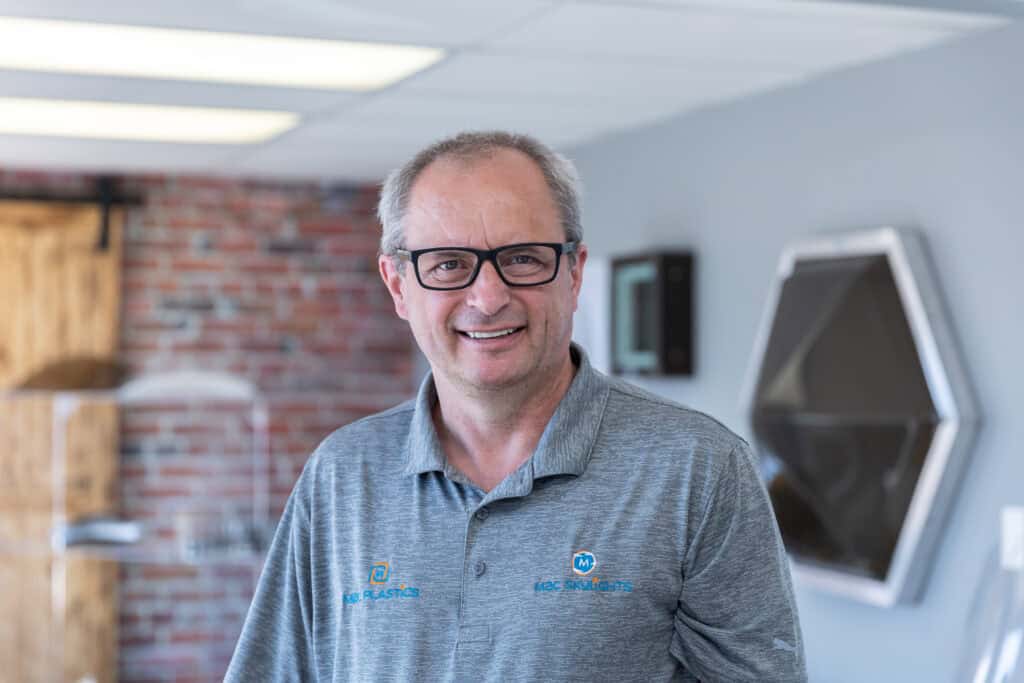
point(583, 562)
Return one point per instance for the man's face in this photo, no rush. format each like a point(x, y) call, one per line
point(487, 203)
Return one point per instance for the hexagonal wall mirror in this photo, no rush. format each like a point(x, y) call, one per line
point(861, 412)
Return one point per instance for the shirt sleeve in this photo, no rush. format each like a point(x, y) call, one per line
point(736, 620)
point(276, 643)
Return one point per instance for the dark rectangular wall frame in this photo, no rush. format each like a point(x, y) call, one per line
point(673, 307)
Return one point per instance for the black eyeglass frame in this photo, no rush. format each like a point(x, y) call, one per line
point(491, 255)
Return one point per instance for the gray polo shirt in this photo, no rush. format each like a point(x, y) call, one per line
point(636, 544)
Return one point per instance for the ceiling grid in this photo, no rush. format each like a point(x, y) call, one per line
point(566, 71)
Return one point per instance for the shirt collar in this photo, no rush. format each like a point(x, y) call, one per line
point(564, 447)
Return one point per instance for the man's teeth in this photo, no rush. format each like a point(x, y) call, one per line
point(491, 335)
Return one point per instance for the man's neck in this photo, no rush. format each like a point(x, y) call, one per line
point(488, 435)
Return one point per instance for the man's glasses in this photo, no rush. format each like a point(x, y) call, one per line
point(518, 265)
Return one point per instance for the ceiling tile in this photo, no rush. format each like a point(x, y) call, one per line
point(356, 160)
point(554, 120)
point(575, 77)
point(712, 36)
point(428, 117)
point(180, 93)
point(972, 15)
point(447, 23)
point(376, 145)
point(25, 151)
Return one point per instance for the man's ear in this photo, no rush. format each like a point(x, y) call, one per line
point(576, 272)
point(394, 281)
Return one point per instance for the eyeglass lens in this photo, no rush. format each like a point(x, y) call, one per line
point(524, 265)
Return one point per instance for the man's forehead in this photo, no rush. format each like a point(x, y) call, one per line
point(495, 169)
point(504, 185)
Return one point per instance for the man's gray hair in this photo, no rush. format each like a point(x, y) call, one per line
point(559, 172)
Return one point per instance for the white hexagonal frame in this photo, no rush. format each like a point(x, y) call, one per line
point(950, 392)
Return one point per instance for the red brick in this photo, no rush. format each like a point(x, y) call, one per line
point(165, 491)
point(199, 346)
point(132, 471)
point(236, 244)
point(198, 637)
point(181, 471)
point(180, 222)
point(137, 263)
point(197, 596)
point(293, 407)
point(150, 241)
point(164, 572)
point(148, 347)
point(185, 264)
point(264, 266)
point(326, 225)
point(139, 427)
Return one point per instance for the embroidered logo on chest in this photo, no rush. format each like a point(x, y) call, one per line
point(381, 588)
point(583, 563)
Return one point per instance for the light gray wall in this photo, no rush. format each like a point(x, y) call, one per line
point(933, 140)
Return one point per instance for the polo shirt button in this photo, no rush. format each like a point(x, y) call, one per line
point(482, 513)
point(480, 567)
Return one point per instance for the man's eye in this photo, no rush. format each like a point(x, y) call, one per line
point(522, 259)
point(448, 266)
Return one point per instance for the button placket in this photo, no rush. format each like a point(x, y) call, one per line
point(480, 567)
point(474, 626)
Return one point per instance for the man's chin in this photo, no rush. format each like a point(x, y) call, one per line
point(493, 377)
point(493, 382)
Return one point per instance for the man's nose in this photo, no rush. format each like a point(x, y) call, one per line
point(488, 293)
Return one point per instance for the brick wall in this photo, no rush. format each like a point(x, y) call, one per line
point(276, 283)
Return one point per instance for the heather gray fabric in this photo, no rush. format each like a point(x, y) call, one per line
point(636, 544)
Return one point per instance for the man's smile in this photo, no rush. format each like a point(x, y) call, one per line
point(488, 334)
point(493, 334)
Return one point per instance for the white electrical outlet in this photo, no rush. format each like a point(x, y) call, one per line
point(1012, 546)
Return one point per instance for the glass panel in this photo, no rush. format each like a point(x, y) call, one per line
point(645, 320)
point(634, 316)
point(131, 534)
point(843, 416)
point(74, 617)
point(189, 479)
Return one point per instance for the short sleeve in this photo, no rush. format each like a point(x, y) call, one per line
point(736, 619)
point(276, 643)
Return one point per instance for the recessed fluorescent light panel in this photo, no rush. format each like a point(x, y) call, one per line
point(117, 50)
point(115, 121)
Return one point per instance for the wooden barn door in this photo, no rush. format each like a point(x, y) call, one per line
point(59, 294)
point(59, 299)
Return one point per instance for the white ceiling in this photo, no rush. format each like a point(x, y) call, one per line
point(566, 71)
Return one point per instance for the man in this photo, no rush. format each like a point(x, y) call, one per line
point(525, 517)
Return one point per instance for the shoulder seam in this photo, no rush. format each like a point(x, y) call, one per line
point(668, 403)
point(342, 430)
point(404, 407)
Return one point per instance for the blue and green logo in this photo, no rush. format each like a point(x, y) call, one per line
point(583, 563)
point(379, 573)
point(379, 578)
